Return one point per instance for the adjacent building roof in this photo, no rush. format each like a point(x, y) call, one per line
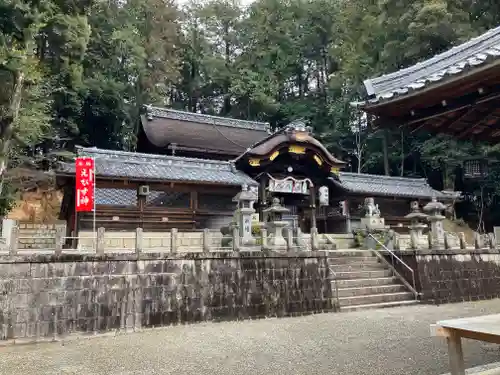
point(146, 167)
point(164, 127)
point(401, 187)
point(471, 55)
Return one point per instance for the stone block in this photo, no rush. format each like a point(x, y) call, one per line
point(451, 240)
point(15, 270)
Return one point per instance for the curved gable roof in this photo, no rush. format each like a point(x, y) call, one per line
point(474, 54)
point(199, 132)
point(295, 133)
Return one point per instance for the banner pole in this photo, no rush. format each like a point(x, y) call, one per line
point(93, 196)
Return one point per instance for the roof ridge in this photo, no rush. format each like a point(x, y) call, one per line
point(442, 61)
point(451, 52)
point(151, 156)
point(190, 164)
point(381, 176)
point(210, 119)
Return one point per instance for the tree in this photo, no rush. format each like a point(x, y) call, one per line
point(20, 71)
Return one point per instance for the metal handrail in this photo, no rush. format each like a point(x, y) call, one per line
point(336, 286)
point(412, 287)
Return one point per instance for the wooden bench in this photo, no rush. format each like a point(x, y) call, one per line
point(482, 328)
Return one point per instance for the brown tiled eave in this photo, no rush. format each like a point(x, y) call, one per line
point(274, 142)
point(207, 136)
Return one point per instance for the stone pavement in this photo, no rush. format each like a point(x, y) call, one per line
point(373, 342)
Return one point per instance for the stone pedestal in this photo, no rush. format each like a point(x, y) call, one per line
point(276, 238)
point(276, 225)
point(372, 220)
point(373, 223)
point(245, 199)
point(435, 218)
point(418, 241)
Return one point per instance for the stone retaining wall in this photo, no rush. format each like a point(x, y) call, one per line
point(444, 276)
point(52, 296)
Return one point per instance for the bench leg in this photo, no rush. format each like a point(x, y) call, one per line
point(456, 355)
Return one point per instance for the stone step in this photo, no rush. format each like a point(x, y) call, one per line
point(353, 259)
point(371, 290)
point(382, 305)
point(367, 274)
point(350, 267)
point(375, 298)
point(350, 253)
point(358, 283)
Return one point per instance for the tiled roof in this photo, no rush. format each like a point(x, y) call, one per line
point(137, 166)
point(460, 59)
point(403, 187)
point(173, 114)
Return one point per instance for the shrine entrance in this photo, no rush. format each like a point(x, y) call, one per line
point(296, 168)
point(294, 194)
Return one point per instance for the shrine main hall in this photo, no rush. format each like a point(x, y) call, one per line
point(188, 167)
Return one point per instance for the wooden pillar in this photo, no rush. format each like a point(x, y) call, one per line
point(141, 204)
point(312, 205)
point(194, 206)
point(262, 197)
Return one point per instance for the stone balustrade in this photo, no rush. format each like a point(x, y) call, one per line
point(30, 237)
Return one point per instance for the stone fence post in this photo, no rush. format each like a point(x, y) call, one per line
point(60, 232)
point(289, 239)
point(206, 240)
point(14, 234)
point(173, 240)
point(314, 239)
point(236, 239)
point(100, 240)
point(263, 238)
point(138, 240)
point(7, 225)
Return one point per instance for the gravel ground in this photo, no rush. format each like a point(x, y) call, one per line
point(375, 342)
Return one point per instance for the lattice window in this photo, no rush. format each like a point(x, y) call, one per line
point(216, 202)
point(170, 199)
point(116, 197)
point(475, 168)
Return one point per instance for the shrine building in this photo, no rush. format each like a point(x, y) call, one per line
point(189, 166)
point(456, 92)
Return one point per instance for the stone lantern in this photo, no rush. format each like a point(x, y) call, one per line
point(276, 223)
point(434, 216)
point(416, 225)
point(245, 199)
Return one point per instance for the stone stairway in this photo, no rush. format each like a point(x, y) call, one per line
point(364, 282)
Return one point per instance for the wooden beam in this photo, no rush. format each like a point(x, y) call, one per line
point(455, 120)
point(464, 102)
point(470, 129)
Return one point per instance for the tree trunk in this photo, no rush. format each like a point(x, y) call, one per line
point(227, 61)
point(386, 153)
point(7, 126)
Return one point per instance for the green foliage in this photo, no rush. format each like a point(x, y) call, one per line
point(85, 68)
point(7, 198)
